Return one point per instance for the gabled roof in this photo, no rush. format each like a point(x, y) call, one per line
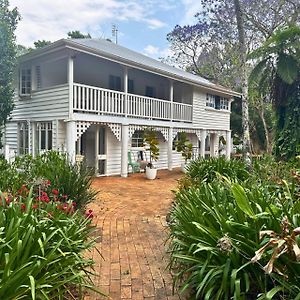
point(119, 53)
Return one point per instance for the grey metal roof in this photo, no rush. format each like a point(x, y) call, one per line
point(110, 49)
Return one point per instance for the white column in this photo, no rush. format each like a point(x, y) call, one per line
point(96, 149)
point(126, 91)
point(172, 98)
point(124, 150)
point(170, 149)
point(214, 145)
point(71, 140)
point(228, 144)
point(70, 82)
point(33, 139)
point(202, 145)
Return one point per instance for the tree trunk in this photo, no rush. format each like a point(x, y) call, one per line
point(262, 116)
point(244, 81)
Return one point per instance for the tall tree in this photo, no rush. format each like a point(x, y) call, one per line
point(76, 34)
point(8, 22)
point(244, 78)
point(278, 71)
point(213, 43)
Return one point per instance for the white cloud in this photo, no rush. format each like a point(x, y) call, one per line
point(51, 20)
point(191, 8)
point(157, 52)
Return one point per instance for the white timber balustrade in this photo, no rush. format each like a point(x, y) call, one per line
point(89, 99)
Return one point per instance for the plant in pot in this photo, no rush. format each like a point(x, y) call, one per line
point(185, 147)
point(151, 140)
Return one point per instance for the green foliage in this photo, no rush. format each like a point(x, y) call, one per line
point(150, 138)
point(208, 169)
point(216, 225)
point(43, 249)
point(8, 22)
point(184, 146)
point(41, 43)
point(73, 181)
point(76, 34)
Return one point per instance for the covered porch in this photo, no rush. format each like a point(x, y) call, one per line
point(105, 146)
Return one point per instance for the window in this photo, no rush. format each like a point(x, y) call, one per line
point(224, 103)
point(25, 82)
point(150, 91)
point(114, 83)
point(130, 86)
point(44, 136)
point(137, 139)
point(38, 77)
point(217, 102)
point(210, 100)
point(23, 138)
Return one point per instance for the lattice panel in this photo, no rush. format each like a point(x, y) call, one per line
point(82, 127)
point(196, 131)
point(116, 130)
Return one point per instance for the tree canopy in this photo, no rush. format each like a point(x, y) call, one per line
point(8, 21)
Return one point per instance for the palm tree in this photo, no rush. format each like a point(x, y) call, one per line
point(278, 74)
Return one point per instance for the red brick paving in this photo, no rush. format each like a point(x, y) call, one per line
point(131, 221)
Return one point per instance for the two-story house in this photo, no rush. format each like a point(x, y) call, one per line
point(93, 97)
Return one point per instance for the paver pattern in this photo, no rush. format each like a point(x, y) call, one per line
point(130, 214)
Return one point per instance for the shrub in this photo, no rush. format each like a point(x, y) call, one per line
point(215, 231)
point(207, 169)
point(72, 181)
point(42, 247)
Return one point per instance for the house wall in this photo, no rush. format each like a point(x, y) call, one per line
point(206, 117)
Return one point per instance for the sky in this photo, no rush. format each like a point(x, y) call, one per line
point(142, 24)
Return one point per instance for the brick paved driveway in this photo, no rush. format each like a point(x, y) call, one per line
point(130, 217)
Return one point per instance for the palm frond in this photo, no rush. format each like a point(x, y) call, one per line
point(287, 68)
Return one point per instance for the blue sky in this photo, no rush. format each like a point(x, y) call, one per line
point(142, 25)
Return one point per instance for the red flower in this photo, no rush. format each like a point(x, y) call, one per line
point(23, 206)
point(89, 214)
point(48, 182)
point(65, 197)
point(34, 206)
point(55, 192)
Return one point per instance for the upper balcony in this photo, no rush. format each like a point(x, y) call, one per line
point(95, 100)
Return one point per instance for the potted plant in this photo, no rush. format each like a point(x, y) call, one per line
point(151, 140)
point(183, 146)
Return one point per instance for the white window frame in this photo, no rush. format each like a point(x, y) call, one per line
point(23, 138)
point(224, 103)
point(40, 128)
point(25, 81)
point(137, 139)
point(210, 100)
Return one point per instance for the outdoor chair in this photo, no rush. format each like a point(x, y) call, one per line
point(135, 166)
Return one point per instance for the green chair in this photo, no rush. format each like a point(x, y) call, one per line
point(135, 166)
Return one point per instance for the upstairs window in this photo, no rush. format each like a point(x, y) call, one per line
point(210, 100)
point(217, 102)
point(25, 82)
point(44, 136)
point(114, 83)
point(224, 103)
point(38, 77)
point(23, 143)
point(130, 86)
point(150, 91)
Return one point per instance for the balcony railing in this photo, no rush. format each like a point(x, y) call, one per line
point(89, 99)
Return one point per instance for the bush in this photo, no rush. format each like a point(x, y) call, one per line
point(207, 169)
point(42, 245)
point(72, 181)
point(219, 228)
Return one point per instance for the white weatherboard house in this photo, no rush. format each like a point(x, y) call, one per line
point(94, 98)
